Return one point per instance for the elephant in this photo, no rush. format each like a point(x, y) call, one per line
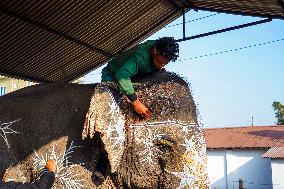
point(97, 139)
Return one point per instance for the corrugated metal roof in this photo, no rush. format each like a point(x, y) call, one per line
point(263, 8)
point(60, 40)
point(275, 152)
point(245, 137)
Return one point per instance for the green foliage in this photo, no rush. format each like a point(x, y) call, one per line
point(279, 112)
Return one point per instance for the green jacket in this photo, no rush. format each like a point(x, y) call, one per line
point(135, 61)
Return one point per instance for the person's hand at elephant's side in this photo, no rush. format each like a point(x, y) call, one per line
point(45, 181)
point(51, 165)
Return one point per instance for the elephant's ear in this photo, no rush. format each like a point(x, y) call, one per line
point(105, 117)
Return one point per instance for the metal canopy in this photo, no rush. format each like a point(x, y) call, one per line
point(259, 8)
point(59, 41)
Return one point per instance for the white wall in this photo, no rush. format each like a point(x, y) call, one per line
point(277, 173)
point(216, 168)
point(226, 167)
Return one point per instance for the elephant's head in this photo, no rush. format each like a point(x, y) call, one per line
point(166, 151)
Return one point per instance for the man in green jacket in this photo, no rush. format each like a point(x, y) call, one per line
point(142, 59)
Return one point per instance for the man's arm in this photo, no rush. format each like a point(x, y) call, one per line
point(125, 72)
point(123, 75)
point(45, 182)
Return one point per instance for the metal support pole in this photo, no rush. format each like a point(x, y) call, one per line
point(226, 29)
point(235, 12)
point(183, 23)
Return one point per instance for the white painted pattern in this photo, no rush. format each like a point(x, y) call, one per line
point(5, 128)
point(66, 171)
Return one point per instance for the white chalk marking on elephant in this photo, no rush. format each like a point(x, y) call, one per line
point(5, 129)
point(163, 123)
point(116, 124)
point(11, 180)
point(186, 178)
point(104, 116)
point(148, 152)
point(65, 169)
point(185, 129)
point(150, 147)
point(188, 144)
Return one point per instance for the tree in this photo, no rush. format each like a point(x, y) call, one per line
point(279, 112)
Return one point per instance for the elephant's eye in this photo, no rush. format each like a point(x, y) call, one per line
point(164, 143)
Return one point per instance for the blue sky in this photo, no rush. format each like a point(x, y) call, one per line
point(229, 88)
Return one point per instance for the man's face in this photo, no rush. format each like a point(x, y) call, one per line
point(158, 60)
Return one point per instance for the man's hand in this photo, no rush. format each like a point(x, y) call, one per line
point(141, 109)
point(51, 165)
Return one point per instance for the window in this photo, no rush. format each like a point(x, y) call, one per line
point(2, 91)
point(28, 83)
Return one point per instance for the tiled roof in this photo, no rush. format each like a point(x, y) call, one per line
point(274, 152)
point(245, 137)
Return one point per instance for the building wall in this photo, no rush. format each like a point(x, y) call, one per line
point(216, 167)
point(9, 84)
point(226, 167)
point(277, 166)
